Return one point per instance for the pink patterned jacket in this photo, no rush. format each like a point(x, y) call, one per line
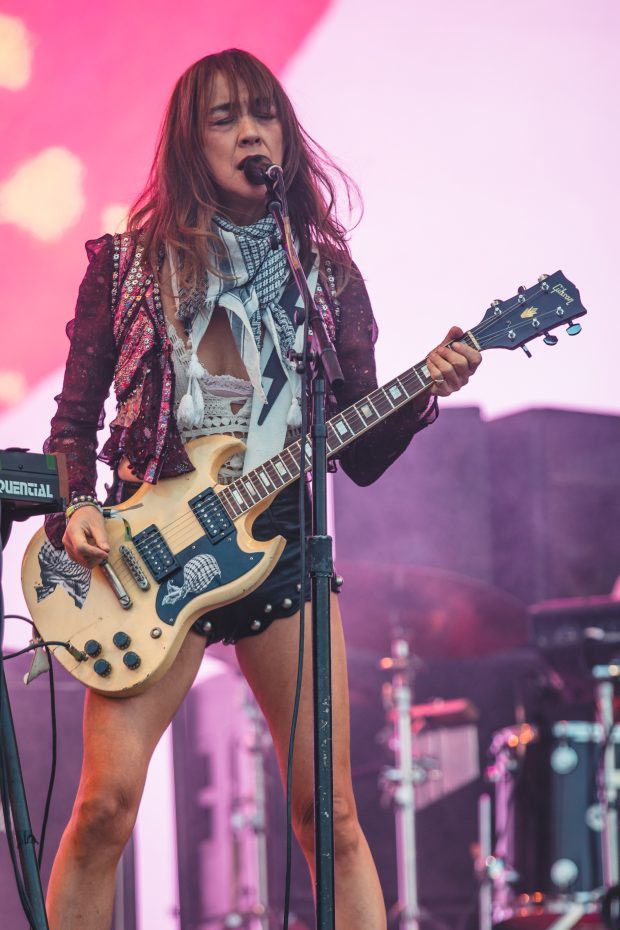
point(119, 337)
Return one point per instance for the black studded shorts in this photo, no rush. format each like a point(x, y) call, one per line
point(279, 595)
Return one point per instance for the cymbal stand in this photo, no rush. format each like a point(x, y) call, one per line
point(609, 781)
point(400, 780)
point(250, 813)
point(484, 863)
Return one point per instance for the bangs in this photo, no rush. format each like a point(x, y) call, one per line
point(243, 72)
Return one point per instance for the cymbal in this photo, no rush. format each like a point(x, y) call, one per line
point(442, 614)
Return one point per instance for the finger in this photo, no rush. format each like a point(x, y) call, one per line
point(440, 361)
point(440, 386)
point(455, 332)
point(98, 537)
point(455, 365)
point(472, 355)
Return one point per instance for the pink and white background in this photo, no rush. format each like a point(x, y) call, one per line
point(484, 137)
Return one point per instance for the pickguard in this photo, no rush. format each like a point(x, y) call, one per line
point(203, 566)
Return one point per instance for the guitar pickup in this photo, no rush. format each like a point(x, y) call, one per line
point(210, 513)
point(155, 553)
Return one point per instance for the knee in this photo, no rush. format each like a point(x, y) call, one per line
point(347, 831)
point(103, 820)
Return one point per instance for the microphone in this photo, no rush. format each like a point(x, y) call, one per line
point(258, 170)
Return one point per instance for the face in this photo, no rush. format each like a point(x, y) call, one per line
point(230, 136)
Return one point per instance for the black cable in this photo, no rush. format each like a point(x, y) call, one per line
point(38, 645)
point(52, 778)
point(18, 617)
point(302, 625)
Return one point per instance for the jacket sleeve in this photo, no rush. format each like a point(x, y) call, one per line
point(370, 455)
point(88, 375)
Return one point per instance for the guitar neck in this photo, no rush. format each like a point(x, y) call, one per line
point(243, 493)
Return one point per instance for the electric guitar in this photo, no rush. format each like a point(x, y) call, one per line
point(184, 546)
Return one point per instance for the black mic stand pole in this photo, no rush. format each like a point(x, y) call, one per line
point(327, 369)
point(10, 767)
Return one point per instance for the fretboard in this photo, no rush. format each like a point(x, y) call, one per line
point(272, 476)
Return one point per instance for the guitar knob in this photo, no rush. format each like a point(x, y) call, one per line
point(573, 329)
point(92, 648)
point(550, 340)
point(132, 660)
point(102, 667)
point(121, 640)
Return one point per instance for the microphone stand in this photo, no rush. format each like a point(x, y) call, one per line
point(17, 817)
point(326, 369)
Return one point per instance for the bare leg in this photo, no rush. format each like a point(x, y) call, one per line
point(120, 735)
point(269, 662)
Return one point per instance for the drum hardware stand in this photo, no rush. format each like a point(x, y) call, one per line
point(485, 864)
point(605, 677)
point(254, 819)
point(400, 781)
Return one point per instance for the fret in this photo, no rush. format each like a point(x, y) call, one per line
point(354, 420)
point(381, 402)
point(229, 504)
point(238, 498)
point(427, 375)
point(290, 456)
point(266, 480)
point(282, 469)
point(308, 454)
point(395, 392)
point(341, 428)
point(332, 442)
point(249, 487)
point(237, 487)
point(275, 477)
point(366, 411)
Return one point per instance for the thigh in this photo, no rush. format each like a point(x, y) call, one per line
point(120, 734)
point(269, 663)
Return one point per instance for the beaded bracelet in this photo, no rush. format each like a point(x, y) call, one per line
point(82, 500)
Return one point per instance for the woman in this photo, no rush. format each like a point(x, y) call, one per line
point(184, 314)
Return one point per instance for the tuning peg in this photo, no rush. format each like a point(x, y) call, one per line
point(495, 304)
point(573, 329)
point(521, 292)
point(550, 340)
point(527, 351)
point(542, 280)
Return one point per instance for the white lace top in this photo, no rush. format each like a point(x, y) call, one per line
point(227, 400)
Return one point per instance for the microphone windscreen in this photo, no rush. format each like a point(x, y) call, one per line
point(254, 168)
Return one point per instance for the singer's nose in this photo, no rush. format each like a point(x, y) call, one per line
point(248, 131)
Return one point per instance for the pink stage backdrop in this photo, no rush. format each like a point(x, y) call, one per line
point(484, 136)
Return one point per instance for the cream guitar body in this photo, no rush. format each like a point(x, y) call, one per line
point(184, 546)
point(174, 555)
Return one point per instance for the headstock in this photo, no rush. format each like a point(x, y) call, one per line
point(535, 311)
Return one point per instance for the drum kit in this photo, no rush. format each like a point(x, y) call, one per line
point(547, 852)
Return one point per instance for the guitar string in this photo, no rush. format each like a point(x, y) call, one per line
point(186, 523)
point(178, 527)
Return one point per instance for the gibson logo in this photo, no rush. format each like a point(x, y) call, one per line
point(26, 489)
point(529, 312)
point(561, 291)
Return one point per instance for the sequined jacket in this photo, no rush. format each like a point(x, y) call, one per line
point(119, 336)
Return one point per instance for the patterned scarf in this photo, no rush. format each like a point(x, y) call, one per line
point(252, 273)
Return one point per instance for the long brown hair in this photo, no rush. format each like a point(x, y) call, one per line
point(177, 205)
